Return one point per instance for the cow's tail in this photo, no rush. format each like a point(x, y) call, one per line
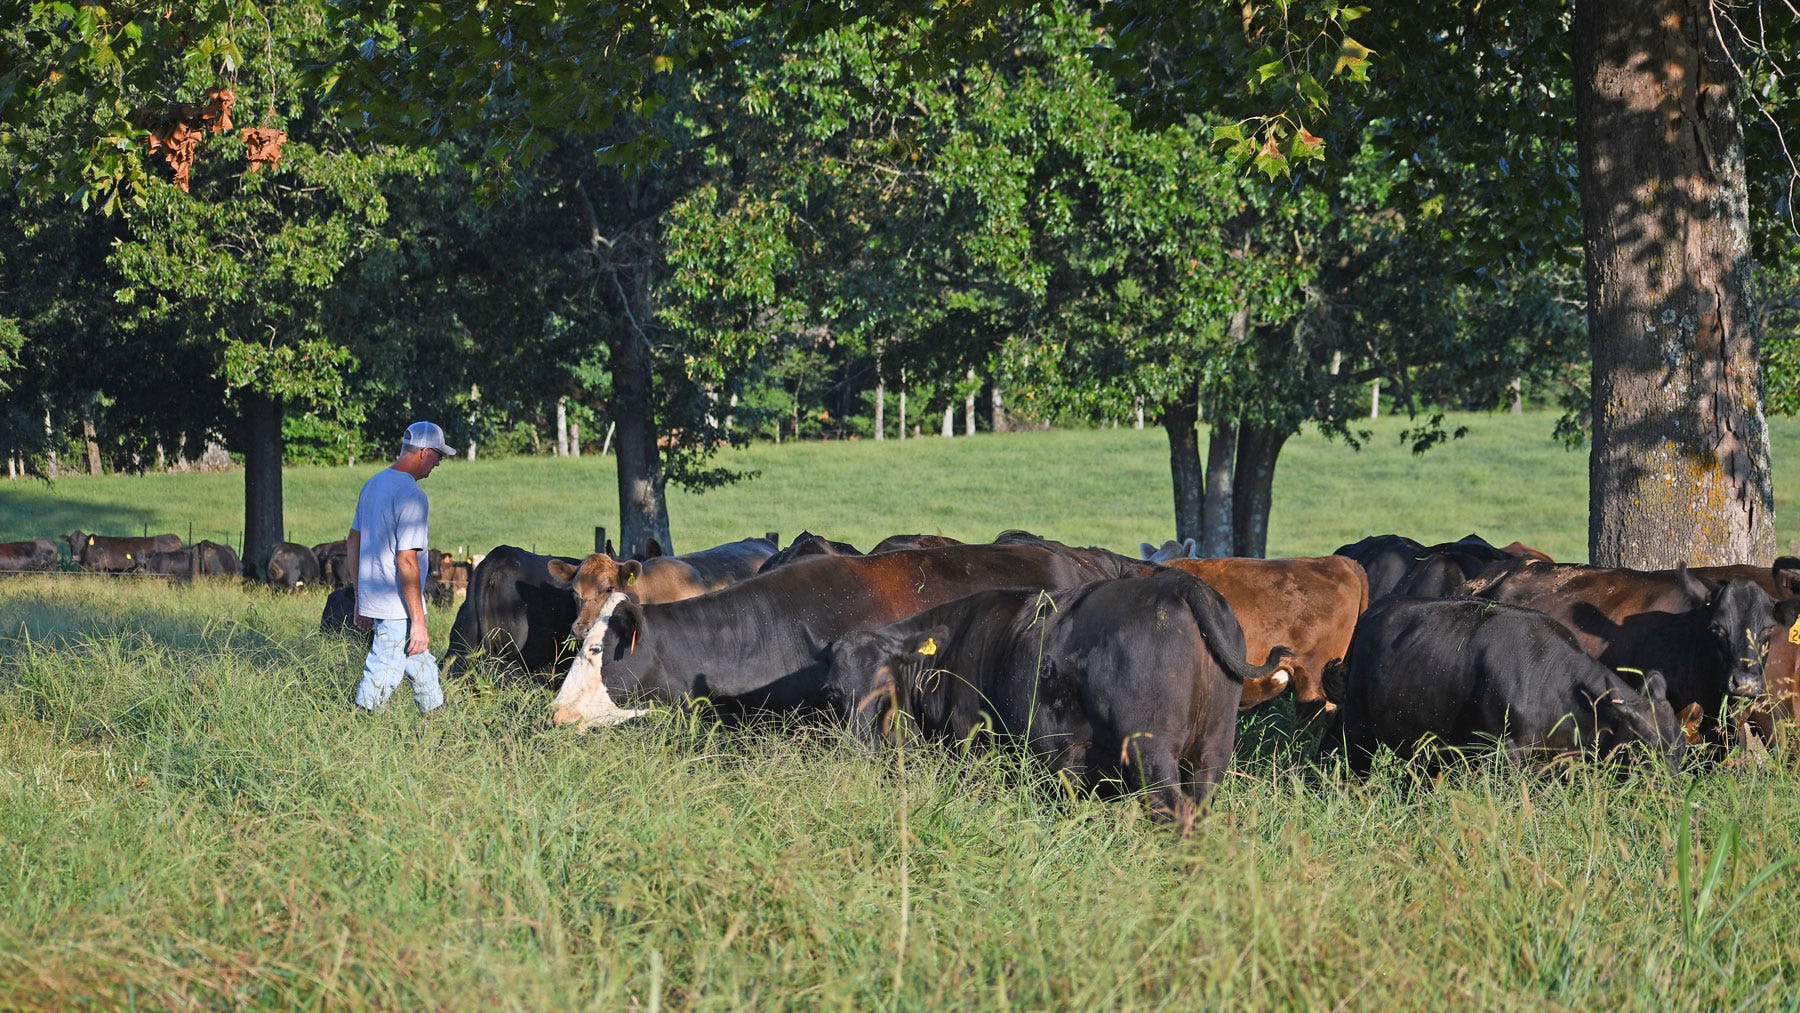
point(1224, 637)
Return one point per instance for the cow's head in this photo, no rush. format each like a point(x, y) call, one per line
point(615, 635)
point(1741, 617)
point(1641, 724)
point(876, 679)
point(596, 578)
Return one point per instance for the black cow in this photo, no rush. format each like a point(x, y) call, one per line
point(1709, 638)
point(762, 642)
point(807, 545)
point(37, 554)
point(1134, 680)
point(517, 611)
point(339, 614)
point(1397, 565)
point(204, 558)
point(1387, 558)
point(292, 566)
point(115, 553)
point(894, 543)
point(1466, 672)
point(334, 563)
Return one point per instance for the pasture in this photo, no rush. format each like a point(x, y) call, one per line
point(191, 815)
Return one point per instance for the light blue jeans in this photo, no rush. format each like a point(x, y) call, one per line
point(387, 664)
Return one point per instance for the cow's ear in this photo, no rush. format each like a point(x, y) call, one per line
point(652, 548)
point(609, 550)
point(1689, 717)
point(1787, 613)
point(564, 572)
point(1191, 547)
point(1786, 572)
point(1146, 550)
point(629, 572)
point(1655, 687)
point(926, 644)
point(1693, 583)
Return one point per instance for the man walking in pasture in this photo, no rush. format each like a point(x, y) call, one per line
point(387, 549)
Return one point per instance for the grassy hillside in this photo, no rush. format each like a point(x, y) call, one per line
point(1506, 479)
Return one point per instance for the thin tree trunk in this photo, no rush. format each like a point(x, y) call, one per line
point(880, 408)
point(1258, 448)
point(949, 421)
point(969, 406)
point(1375, 399)
point(574, 439)
point(562, 427)
point(50, 442)
point(1219, 535)
point(1515, 398)
point(89, 436)
point(903, 404)
point(1179, 421)
point(1679, 467)
point(997, 410)
point(1138, 418)
point(263, 451)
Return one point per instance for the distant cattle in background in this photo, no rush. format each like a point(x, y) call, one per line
point(1186, 548)
point(455, 576)
point(115, 553)
point(202, 559)
point(33, 555)
point(291, 566)
point(334, 563)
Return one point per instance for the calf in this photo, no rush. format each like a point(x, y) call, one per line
point(334, 563)
point(1308, 603)
point(291, 566)
point(1464, 672)
point(659, 579)
point(37, 554)
point(1709, 638)
point(762, 643)
point(1135, 679)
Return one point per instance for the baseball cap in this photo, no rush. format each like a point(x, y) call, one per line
point(428, 434)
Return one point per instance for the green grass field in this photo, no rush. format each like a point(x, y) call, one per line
point(1110, 487)
point(191, 816)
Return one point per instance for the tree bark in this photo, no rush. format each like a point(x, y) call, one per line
point(1258, 447)
point(997, 410)
point(880, 406)
point(1220, 537)
point(643, 510)
point(1679, 468)
point(969, 407)
point(562, 427)
point(949, 421)
point(1179, 421)
point(91, 438)
point(263, 451)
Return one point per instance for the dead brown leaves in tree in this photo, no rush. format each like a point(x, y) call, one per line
point(262, 146)
point(179, 131)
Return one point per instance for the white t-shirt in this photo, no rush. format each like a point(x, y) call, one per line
point(390, 516)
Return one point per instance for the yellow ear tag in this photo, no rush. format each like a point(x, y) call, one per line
point(90, 539)
point(929, 647)
point(127, 555)
point(631, 578)
point(1794, 632)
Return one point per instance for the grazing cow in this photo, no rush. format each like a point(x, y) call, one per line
point(1310, 604)
point(339, 615)
point(37, 554)
point(1709, 638)
point(334, 563)
point(1781, 673)
point(116, 554)
point(894, 543)
point(202, 559)
point(1187, 548)
point(1464, 672)
point(659, 579)
point(807, 545)
point(291, 566)
point(1135, 679)
point(762, 643)
point(517, 611)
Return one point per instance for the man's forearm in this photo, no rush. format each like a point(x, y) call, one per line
point(406, 564)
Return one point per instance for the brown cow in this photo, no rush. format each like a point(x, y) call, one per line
point(116, 554)
point(37, 554)
point(1308, 604)
point(660, 579)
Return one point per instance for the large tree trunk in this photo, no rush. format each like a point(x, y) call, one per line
point(1179, 420)
point(1258, 447)
point(1220, 537)
point(1680, 461)
point(262, 480)
point(643, 510)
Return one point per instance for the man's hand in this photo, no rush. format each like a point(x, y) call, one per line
point(364, 623)
point(418, 638)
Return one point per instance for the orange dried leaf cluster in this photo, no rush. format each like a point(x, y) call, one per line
point(262, 146)
point(176, 137)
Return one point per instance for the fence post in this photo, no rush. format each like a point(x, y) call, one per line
point(599, 538)
point(773, 536)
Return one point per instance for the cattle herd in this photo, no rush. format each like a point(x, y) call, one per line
point(1126, 673)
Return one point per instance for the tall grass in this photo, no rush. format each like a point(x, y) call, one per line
point(1507, 479)
point(191, 815)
